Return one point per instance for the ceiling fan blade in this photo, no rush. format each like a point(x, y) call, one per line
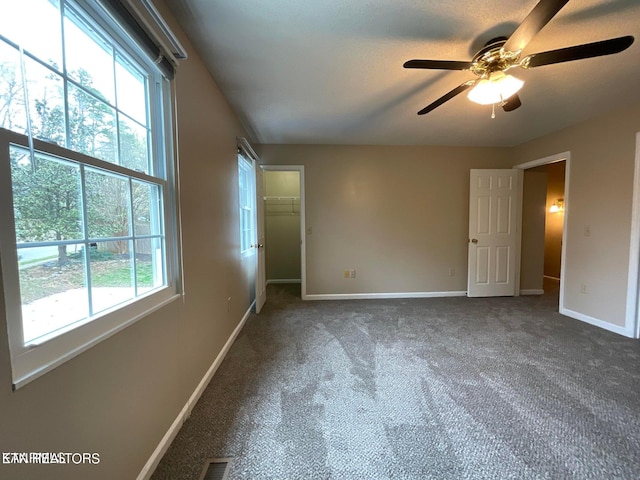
point(541, 14)
point(511, 103)
point(578, 52)
point(438, 64)
point(445, 98)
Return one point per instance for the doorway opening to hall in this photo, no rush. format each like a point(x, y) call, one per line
point(542, 228)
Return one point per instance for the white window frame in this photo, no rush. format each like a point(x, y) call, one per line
point(247, 204)
point(33, 360)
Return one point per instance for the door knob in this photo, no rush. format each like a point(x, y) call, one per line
point(474, 240)
point(260, 245)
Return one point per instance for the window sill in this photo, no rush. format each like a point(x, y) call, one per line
point(23, 379)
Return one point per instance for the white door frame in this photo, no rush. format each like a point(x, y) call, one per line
point(303, 228)
point(559, 157)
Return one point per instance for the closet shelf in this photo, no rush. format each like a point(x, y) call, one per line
point(281, 205)
point(271, 197)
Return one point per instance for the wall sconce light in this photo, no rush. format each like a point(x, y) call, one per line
point(557, 206)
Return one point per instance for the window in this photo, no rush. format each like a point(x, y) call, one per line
point(247, 203)
point(87, 232)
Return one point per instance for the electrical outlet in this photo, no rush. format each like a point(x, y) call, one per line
point(583, 288)
point(452, 272)
point(352, 273)
point(347, 274)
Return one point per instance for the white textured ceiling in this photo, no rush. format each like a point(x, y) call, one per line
point(330, 71)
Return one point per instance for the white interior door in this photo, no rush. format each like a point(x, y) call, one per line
point(261, 282)
point(492, 233)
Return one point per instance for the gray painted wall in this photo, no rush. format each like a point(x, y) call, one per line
point(398, 215)
point(600, 196)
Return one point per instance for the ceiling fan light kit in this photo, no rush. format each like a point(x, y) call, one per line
point(495, 89)
point(493, 85)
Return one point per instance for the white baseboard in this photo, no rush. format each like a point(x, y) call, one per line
point(597, 323)
point(161, 449)
point(284, 280)
point(532, 291)
point(364, 296)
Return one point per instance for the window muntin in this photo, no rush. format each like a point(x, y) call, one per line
point(97, 216)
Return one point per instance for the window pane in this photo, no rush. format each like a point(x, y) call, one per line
point(146, 215)
point(131, 91)
point(89, 59)
point(35, 25)
point(241, 180)
point(245, 228)
point(52, 288)
point(149, 264)
point(112, 279)
point(92, 125)
point(46, 197)
point(13, 114)
point(133, 145)
point(108, 206)
point(45, 91)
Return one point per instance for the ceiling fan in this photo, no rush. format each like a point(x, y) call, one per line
point(493, 85)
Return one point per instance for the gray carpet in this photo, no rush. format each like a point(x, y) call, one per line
point(443, 388)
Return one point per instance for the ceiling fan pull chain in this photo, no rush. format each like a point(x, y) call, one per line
point(493, 110)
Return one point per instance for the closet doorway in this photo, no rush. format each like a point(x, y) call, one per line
point(284, 226)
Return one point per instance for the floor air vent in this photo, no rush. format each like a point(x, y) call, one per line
point(216, 469)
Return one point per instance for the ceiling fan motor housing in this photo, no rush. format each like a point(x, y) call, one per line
point(492, 58)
